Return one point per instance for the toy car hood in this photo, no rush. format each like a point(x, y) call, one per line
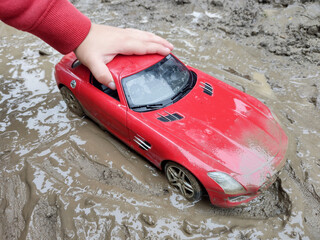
point(224, 125)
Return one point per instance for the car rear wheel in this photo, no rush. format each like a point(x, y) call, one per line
point(180, 178)
point(71, 101)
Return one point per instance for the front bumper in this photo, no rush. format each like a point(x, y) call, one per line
point(221, 199)
point(225, 201)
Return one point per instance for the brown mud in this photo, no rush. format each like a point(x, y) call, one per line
point(62, 177)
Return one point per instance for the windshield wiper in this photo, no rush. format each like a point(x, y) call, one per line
point(182, 92)
point(149, 106)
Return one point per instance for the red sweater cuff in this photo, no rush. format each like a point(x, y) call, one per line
point(62, 26)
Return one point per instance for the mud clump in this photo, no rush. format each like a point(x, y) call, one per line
point(243, 14)
point(43, 221)
point(190, 227)
point(217, 3)
point(148, 219)
point(296, 34)
point(181, 2)
point(277, 3)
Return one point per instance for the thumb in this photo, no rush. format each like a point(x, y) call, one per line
point(102, 73)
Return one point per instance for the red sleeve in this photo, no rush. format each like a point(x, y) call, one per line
point(57, 22)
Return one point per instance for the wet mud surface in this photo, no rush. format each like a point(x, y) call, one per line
point(62, 177)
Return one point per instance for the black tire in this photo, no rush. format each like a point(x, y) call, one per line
point(71, 101)
point(181, 179)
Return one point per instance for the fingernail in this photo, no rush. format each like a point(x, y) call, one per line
point(171, 46)
point(112, 85)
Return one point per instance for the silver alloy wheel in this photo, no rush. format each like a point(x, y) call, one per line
point(71, 101)
point(184, 181)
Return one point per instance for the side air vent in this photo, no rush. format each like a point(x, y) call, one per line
point(142, 143)
point(169, 117)
point(207, 88)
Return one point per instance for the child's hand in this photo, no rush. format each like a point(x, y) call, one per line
point(103, 43)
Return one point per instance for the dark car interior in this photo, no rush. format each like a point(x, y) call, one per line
point(94, 82)
point(103, 88)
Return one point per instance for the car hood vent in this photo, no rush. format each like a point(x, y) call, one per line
point(169, 117)
point(207, 88)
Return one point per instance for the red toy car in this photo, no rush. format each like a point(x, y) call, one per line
point(207, 136)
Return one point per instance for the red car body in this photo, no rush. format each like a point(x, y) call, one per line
point(214, 128)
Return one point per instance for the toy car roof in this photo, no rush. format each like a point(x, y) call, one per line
point(123, 65)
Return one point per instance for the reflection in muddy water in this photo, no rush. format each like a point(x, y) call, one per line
point(62, 177)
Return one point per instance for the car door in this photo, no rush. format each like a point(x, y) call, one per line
point(105, 107)
point(144, 139)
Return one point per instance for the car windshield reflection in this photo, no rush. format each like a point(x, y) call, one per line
point(154, 87)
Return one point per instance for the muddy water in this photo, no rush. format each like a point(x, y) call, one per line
point(62, 177)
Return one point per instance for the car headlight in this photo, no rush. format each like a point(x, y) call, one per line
point(227, 183)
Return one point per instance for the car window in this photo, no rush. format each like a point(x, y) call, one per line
point(76, 63)
point(103, 88)
point(156, 84)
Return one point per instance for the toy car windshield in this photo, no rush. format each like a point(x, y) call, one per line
point(157, 86)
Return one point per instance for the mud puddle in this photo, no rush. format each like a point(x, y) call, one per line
point(63, 177)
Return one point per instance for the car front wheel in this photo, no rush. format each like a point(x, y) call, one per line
point(180, 178)
point(71, 101)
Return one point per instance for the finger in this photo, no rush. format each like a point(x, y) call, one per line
point(102, 73)
point(155, 48)
point(156, 39)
